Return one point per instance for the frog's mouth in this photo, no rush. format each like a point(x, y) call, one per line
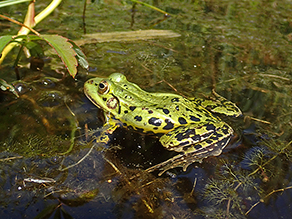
point(91, 99)
point(94, 102)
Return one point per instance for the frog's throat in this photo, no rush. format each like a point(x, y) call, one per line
point(92, 100)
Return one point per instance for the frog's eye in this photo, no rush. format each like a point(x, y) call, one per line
point(103, 87)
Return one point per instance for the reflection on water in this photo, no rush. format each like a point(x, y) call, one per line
point(241, 49)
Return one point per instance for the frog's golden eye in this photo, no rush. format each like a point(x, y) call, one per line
point(103, 87)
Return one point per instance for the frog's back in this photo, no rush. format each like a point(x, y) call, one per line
point(154, 112)
point(161, 112)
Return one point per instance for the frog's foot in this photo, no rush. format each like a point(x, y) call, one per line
point(181, 160)
point(104, 134)
point(177, 161)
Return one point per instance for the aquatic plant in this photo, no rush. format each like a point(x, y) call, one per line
point(67, 50)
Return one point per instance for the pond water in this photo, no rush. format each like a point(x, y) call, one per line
point(50, 164)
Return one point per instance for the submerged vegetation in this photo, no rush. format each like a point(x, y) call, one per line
point(49, 163)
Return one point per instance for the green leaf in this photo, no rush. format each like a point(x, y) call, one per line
point(4, 41)
point(28, 37)
point(64, 50)
point(5, 86)
point(80, 55)
point(35, 49)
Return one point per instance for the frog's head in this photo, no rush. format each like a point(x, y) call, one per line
point(100, 91)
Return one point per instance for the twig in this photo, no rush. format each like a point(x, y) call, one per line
point(20, 24)
point(194, 185)
point(78, 162)
point(228, 208)
point(258, 120)
point(113, 166)
point(11, 158)
point(262, 200)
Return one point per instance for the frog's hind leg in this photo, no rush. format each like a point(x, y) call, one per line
point(177, 161)
point(212, 146)
point(185, 160)
point(183, 136)
point(193, 137)
point(220, 105)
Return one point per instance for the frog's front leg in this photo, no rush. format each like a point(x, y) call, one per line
point(220, 105)
point(106, 131)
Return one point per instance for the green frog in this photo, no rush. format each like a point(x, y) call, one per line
point(189, 126)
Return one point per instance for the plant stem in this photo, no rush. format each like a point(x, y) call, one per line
point(24, 31)
point(151, 6)
point(20, 24)
point(48, 10)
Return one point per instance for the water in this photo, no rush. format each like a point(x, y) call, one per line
point(241, 49)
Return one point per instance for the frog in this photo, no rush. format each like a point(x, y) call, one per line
point(189, 126)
